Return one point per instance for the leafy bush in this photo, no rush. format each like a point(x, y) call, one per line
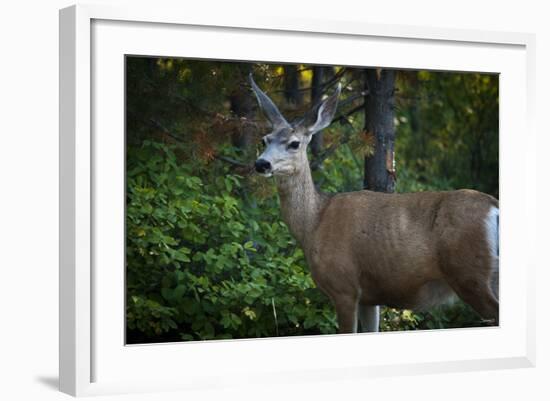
point(205, 263)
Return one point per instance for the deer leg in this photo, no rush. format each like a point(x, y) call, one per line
point(369, 318)
point(480, 297)
point(346, 312)
point(470, 271)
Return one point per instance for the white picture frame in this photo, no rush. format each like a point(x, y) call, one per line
point(91, 360)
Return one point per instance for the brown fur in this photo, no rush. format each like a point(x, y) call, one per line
point(403, 250)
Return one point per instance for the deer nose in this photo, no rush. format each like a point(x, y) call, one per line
point(262, 166)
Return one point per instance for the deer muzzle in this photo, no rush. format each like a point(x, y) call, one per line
point(262, 166)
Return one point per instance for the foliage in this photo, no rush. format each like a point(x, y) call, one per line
point(447, 129)
point(207, 261)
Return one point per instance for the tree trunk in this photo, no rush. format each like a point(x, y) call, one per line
point(316, 144)
point(242, 105)
point(379, 122)
point(292, 87)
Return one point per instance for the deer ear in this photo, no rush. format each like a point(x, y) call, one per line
point(326, 112)
point(268, 107)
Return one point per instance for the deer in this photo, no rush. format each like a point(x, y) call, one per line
point(365, 249)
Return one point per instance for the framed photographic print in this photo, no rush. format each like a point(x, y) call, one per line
point(278, 199)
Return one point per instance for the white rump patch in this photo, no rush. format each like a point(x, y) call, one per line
point(491, 223)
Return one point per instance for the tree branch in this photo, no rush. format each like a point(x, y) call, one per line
point(164, 130)
point(334, 79)
point(231, 161)
point(216, 156)
point(343, 118)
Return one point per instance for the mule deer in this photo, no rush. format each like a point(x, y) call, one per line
point(365, 249)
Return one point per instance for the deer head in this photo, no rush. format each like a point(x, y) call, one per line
point(285, 150)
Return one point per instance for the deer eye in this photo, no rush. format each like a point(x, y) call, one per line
point(294, 145)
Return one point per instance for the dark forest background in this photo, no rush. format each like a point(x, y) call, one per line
point(207, 254)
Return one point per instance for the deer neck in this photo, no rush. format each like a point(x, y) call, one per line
point(301, 203)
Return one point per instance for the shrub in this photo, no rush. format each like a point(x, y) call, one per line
point(205, 263)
